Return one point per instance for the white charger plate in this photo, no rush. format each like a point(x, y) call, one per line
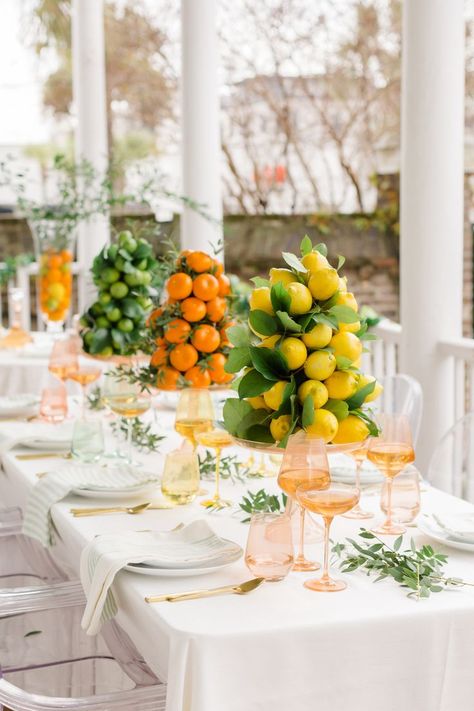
point(48, 445)
point(346, 475)
point(118, 494)
point(430, 529)
point(179, 572)
point(15, 405)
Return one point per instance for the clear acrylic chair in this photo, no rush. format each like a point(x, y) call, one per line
point(402, 395)
point(451, 466)
point(23, 561)
point(47, 662)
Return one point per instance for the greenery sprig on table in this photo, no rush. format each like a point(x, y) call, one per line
point(262, 502)
point(417, 569)
point(230, 467)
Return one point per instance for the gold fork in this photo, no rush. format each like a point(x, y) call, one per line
point(241, 589)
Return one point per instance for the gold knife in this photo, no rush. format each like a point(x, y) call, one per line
point(43, 455)
point(241, 589)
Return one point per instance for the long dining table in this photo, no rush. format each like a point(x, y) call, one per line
point(281, 647)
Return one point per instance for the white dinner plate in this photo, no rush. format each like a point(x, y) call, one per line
point(61, 444)
point(118, 494)
point(346, 475)
point(16, 405)
point(427, 526)
point(143, 569)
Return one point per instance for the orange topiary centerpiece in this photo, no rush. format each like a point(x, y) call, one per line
point(188, 330)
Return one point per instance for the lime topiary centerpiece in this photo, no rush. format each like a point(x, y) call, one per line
point(299, 358)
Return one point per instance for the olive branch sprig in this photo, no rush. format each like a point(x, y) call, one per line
point(418, 569)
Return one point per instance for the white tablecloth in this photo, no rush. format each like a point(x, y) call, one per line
point(283, 647)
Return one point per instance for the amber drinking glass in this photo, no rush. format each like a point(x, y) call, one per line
point(391, 451)
point(127, 400)
point(194, 414)
point(53, 406)
point(304, 462)
point(405, 499)
point(332, 501)
point(269, 552)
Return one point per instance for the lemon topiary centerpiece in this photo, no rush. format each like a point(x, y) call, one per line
point(300, 356)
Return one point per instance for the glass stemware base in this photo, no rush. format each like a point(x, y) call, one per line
point(301, 565)
point(389, 528)
point(217, 502)
point(358, 513)
point(325, 585)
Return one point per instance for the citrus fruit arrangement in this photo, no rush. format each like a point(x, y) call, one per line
point(55, 283)
point(300, 356)
point(188, 331)
point(124, 273)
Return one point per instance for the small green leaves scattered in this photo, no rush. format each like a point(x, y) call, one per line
point(270, 363)
point(417, 569)
point(293, 262)
point(252, 384)
point(280, 298)
point(340, 262)
point(33, 632)
point(234, 411)
point(238, 335)
point(306, 246)
point(307, 418)
point(237, 359)
point(287, 323)
point(259, 281)
point(339, 408)
point(263, 323)
point(322, 249)
point(343, 363)
point(358, 398)
point(344, 314)
point(262, 502)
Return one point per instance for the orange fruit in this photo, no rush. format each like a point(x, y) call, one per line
point(217, 268)
point(199, 262)
point(160, 356)
point(66, 256)
point(177, 331)
point(206, 338)
point(193, 309)
point(183, 357)
point(54, 261)
point(179, 285)
point(156, 313)
point(216, 363)
point(197, 377)
point(205, 287)
point(54, 275)
point(224, 285)
point(215, 309)
point(167, 378)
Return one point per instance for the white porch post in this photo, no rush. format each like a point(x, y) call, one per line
point(432, 204)
point(88, 49)
point(200, 125)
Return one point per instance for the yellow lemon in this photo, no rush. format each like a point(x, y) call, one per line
point(316, 389)
point(320, 365)
point(350, 327)
point(57, 291)
point(341, 384)
point(260, 299)
point(342, 285)
point(270, 341)
point(280, 427)
point(323, 283)
point(352, 429)
point(347, 299)
point(314, 261)
point(274, 397)
point(294, 351)
point(257, 402)
point(318, 337)
point(346, 345)
point(324, 425)
point(376, 392)
point(301, 299)
point(357, 362)
point(285, 276)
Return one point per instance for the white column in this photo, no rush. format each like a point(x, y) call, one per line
point(432, 204)
point(91, 120)
point(201, 146)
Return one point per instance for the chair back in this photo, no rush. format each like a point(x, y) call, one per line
point(451, 466)
point(402, 395)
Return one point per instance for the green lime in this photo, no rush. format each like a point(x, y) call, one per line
point(127, 242)
point(142, 265)
point(119, 290)
point(146, 278)
point(110, 275)
point(102, 322)
point(107, 351)
point(125, 325)
point(114, 314)
point(88, 338)
point(133, 279)
point(97, 309)
point(145, 302)
point(120, 263)
point(105, 298)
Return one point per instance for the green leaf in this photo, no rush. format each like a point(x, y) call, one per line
point(100, 340)
point(340, 261)
point(234, 411)
point(327, 319)
point(322, 249)
point(33, 632)
point(270, 363)
point(263, 323)
point(237, 359)
point(239, 335)
point(339, 408)
point(398, 542)
point(282, 444)
point(259, 433)
point(344, 314)
point(131, 308)
point(259, 281)
point(293, 262)
point(280, 298)
point(306, 246)
point(288, 323)
point(343, 363)
point(308, 411)
point(256, 417)
point(358, 399)
point(254, 383)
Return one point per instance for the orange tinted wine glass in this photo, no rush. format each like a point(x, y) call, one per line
point(63, 362)
point(85, 375)
point(304, 462)
point(332, 501)
point(215, 439)
point(391, 451)
point(359, 455)
point(269, 551)
point(194, 414)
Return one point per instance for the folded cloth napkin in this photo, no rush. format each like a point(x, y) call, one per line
point(13, 434)
point(56, 485)
point(106, 555)
point(459, 526)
